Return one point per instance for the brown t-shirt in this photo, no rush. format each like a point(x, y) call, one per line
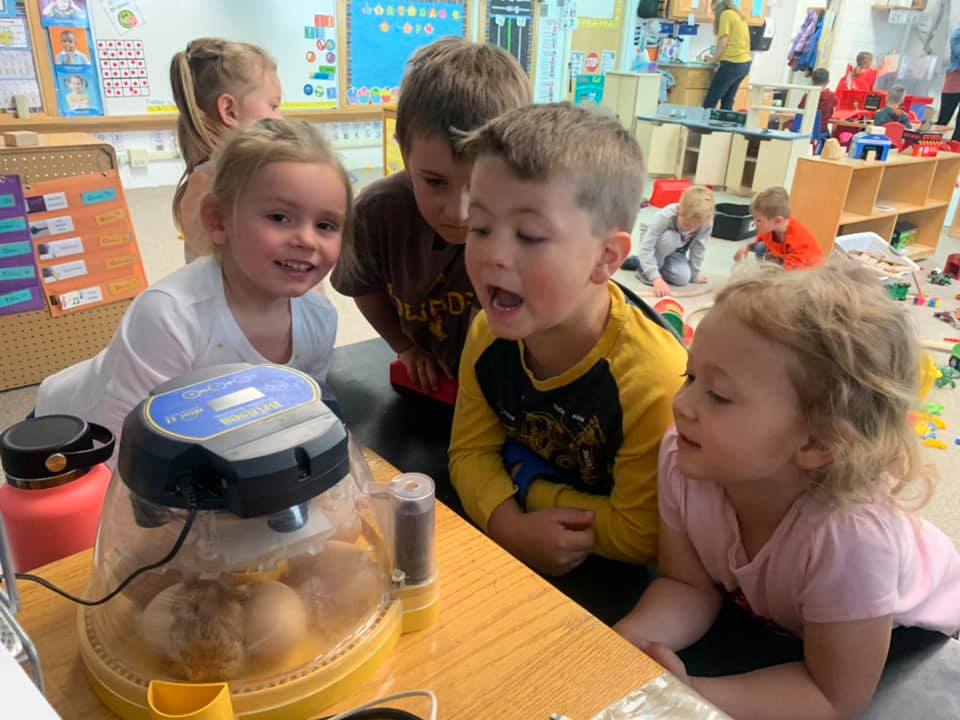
point(400, 254)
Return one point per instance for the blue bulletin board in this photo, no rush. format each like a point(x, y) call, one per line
point(383, 34)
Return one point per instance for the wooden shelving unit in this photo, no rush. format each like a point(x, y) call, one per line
point(837, 197)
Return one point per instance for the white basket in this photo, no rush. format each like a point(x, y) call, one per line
point(876, 247)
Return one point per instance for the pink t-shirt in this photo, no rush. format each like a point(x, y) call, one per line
point(822, 564)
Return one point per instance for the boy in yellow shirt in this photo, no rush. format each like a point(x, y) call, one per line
point(565, 388)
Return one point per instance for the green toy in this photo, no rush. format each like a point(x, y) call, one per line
point(948, 376)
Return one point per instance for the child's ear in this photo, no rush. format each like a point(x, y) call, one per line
point(614, 250)
point(214, 220)
point(227, 110)
point(813, 454)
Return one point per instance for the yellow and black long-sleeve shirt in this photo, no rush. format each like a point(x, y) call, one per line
point(599, 424)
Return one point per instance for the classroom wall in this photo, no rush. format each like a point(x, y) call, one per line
point(358, 144)
point(861, 27)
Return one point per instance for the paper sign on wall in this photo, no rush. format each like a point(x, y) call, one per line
point(85, 248)
point(20, 289)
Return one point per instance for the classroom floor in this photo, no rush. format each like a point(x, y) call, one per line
point(162, 253)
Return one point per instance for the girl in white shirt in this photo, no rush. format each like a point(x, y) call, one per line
point(280, 206)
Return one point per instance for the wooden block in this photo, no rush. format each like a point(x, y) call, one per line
point(20, 138)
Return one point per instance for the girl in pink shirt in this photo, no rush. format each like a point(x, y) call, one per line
point(787, 483)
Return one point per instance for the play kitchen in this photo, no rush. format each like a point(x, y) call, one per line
point(246, 564)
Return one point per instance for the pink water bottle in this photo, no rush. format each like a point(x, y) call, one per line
point(56, 482)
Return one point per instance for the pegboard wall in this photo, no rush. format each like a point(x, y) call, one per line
point(34, 344)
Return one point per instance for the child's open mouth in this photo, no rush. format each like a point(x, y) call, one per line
point(502, 299)
point(295, 266)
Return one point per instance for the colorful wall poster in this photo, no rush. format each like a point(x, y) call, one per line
point(124, 14)
point(20, 289)
point(510, 26)
point(588, 90)
point(123, 68)
point(83, 242)
point(383, 34)
point(68, 35)
point(322, 57)
point(64, 13)
point(71, 46)
point(77, 91)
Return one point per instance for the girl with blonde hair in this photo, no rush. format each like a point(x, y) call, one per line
point(787, 485)
point(218, 85)
point(279, 208)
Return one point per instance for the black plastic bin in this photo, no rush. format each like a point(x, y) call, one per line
point(733, 222)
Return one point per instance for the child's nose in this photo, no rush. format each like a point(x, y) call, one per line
point(683, 406)
point(455, 207)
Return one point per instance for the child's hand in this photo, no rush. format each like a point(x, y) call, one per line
point(741, 254)
point(660, 287)
point(701, 279)
point(666, 657)
point(553, 541)
point(422, 367)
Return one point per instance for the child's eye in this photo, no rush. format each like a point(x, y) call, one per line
point(326, 226)
point(530, 239)
point(478, 231)
point(277, 217)
point(717, 398)
point(436, 182)
point(687, 377)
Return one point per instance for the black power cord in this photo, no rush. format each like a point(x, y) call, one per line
point(130, 578)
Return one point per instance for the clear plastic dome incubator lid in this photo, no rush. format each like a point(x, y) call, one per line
point(281, 563)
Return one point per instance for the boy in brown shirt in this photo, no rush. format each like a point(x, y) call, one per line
point(405, 267)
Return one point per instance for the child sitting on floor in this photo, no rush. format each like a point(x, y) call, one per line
point(780, 238)
point(558, 363)
point(672, 249)
point(277, 210)
point(782, 488)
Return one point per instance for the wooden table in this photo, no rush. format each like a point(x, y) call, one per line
point(506, 645)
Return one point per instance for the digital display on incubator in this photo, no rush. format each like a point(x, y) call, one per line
point(240, 397)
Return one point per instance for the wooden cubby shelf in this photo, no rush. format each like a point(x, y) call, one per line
point(838, 197)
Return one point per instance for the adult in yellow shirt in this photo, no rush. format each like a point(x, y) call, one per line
point(732, 54)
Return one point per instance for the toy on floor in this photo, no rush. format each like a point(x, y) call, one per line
point(926, 426)
point(938, 278)
point(401, 382)
point(951, 268)
point(898, 290)
point(929, 374)
point(874, 140)
point(672, 312)
point(948, 377)
point(954, 361)
point(667, 192)
point(950, 318)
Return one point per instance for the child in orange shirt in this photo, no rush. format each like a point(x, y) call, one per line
point(780, 238)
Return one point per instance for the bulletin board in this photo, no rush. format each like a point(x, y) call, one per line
point(597, 40)
point(383, 34)
point(38, 344)
point(512, 25)
point(134, 41)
